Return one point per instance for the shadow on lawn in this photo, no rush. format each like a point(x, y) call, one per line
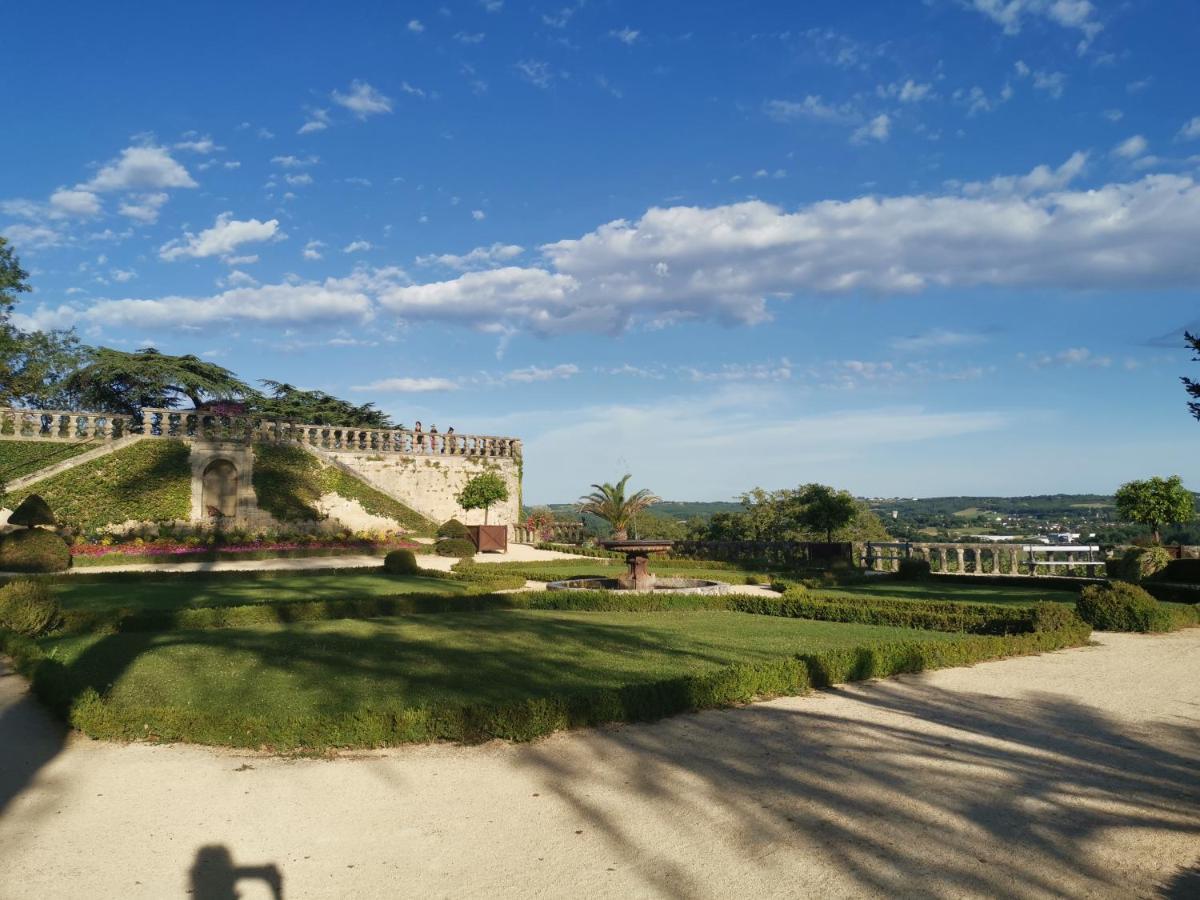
point(941, 793)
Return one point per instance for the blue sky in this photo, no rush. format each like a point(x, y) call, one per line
point(916, 247)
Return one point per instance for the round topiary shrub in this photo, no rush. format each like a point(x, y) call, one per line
point(459, 547)
point(452, 528)
point(401, 562)
point(28, 607)
point(34, 550)
point(1121, 606)
point(913, 569)
point(1139, 563)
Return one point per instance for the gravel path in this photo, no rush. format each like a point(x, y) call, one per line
point(1069, 774)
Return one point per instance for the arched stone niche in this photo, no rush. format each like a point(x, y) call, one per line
point(219, 492)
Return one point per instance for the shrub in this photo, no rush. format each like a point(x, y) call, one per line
point(28, 608)
point(452, 528)
point(32, 511)
point(1139, 563)
point(34, 550)
point(913, 569)
point(460, 547)
point(401, 562)
point(1121, 606)
point(1186, 571)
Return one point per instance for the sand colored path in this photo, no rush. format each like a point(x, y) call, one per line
point(1069, 774)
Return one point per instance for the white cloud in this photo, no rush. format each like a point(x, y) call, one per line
point(363, 100)
point(467, 37)
point(479, 258)
point(33, 237)
point(222, 239)
point(536, 72)
point(936, 339)
point(238, 278)
point(1052, 83)
point(75, 202)
point(492, 6)
point(302, 178)
point(143, 207)
point(1131, 147)
point(357, 247)
point(535, 373)
point(878, 129)
point(726, 262)
point(295, 162)
point(1040, 179)
point(1191, 130)
point(141, 168)
point(318, 120)
point(415, 26)
point(627, 36)
point(203, 145)
point(908, 92)
point(811, 107)
point(478, 215)
point(312, 250)
point(1012, 15)
point(408, 385)
point(1073, 356)
point(273, 304)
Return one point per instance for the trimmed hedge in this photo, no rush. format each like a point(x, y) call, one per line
point(401, 562)
point(913, 569)
point(147, 481)
point(218, 555)
point(452, 528)
point(460, 547)
point(34, 550)
point(1186, 571)
point(28, 607)
point(523, 720)
point(1138, 563)
point(1120, 606)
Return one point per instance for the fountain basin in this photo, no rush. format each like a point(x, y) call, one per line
point(656, 586)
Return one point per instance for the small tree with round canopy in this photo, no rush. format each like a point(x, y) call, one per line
point(1155, 502)
point(482, 491)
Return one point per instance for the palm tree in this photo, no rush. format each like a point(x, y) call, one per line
point(608, 502)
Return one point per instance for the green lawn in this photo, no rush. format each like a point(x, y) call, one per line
point(278, 674)
point(185, 590)
point(1021, 595)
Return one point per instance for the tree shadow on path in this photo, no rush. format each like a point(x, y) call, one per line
point(897, 788)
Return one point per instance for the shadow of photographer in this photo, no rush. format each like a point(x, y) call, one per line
point(215, 877)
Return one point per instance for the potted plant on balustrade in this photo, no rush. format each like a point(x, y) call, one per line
point(480, 493)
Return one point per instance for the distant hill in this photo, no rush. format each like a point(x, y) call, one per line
point(671, 509)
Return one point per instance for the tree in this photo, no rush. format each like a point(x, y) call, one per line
point(286, 401)
point(1155, 502)
point(482, 491)
point(821, 508)
point(608, 502)
point(120, 382)
point(1193, 387)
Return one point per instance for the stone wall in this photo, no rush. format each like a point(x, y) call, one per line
point(430, 484)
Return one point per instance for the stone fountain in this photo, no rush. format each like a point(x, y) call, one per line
point(639, 578)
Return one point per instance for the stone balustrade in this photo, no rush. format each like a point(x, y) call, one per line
point(61, 425)
point(988, 558)
point(64, 425)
